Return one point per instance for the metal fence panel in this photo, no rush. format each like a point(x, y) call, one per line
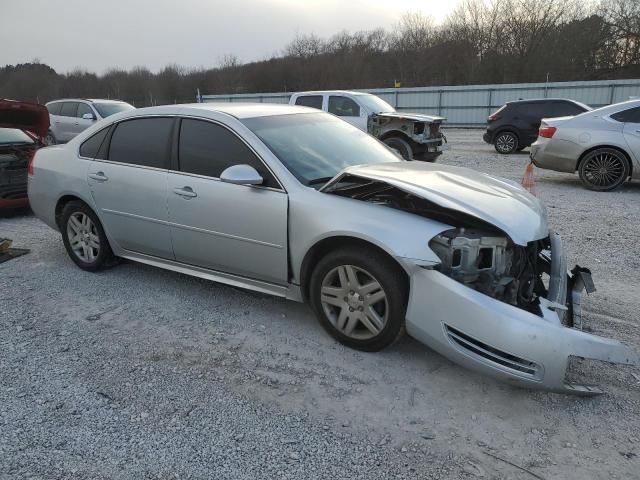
point(469, 105)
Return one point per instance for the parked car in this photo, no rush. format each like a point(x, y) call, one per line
point(300, 204)
point(414, 136)
point(23, 126)
point(603, 145)
point(514, 126)
point(71, 116)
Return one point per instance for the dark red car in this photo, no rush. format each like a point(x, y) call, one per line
point(23, 126)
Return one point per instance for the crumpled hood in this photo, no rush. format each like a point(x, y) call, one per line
point(27, 116)
point(416, 117)
point(495, 200)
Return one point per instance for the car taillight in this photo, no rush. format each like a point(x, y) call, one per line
point(32, 156)
point(493, 117)
point(547, 132)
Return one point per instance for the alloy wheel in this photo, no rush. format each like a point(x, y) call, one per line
point(83, 237)
point(355, 302)
point(604, 169)
point(506, 143)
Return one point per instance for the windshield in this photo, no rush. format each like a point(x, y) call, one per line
point(375, 104)
point(13, 136)
point(106, 109)
point(315, 146)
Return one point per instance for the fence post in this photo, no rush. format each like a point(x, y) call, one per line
point(490, 102)
point(395, 99)
point(440, 103)
point(612, 91)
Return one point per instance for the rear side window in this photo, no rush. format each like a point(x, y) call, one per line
point(54, 108)
point(537, 110)
point(632, 115)
point(207, 149)
point(91, 146)
point(313, 101)
point(564, 109)
point(69, 109)
point(143, 141)
point(343, 107)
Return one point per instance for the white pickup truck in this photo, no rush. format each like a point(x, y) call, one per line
point(414, 136)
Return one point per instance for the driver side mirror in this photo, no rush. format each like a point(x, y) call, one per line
point(88, 116)
point(241, 175)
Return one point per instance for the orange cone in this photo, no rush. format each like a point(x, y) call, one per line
point(528, 181)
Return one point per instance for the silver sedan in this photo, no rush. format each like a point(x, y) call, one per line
point(298, 203)
point(602, 145)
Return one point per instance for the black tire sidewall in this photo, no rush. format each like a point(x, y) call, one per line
point(515, 144)
point(402, 146)
point(105, 254)
point(386, 272)
point(613, 186)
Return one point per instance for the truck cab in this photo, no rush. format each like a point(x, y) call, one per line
point(414, 136)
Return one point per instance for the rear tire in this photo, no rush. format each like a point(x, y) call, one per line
point(401, 146)
point(360, 298)
point(604, 169)
point(50, 139)
point(84, 237)
point(506, 143)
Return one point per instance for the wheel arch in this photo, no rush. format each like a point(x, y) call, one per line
point(64, 200)
point(396, 134)
point(613, 147)
point(506, 128)
point(329, 244)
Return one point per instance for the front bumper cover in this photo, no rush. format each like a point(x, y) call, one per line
point(506, 342)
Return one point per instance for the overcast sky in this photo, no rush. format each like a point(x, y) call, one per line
point(98, 34)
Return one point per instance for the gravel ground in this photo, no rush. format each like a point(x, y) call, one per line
point(137, 372)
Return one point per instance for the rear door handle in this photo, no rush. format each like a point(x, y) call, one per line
point(185, 192)
point(99, 177)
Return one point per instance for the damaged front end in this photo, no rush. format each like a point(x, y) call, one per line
point(508, 308)
point(423, 131)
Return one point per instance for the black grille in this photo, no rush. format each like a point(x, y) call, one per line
point(492, 354)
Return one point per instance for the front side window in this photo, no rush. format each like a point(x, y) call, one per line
point(343, 107)
point(69, 109)
point(54, 108)
point(91, 146)
point(143, 141)
point(314, 147)
point(313, 101)
point(631, 115)
point(207, 149)
point(83, 109)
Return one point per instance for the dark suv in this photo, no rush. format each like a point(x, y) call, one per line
point(515, 125)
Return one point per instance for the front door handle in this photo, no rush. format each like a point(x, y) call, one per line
point(99, 177)
point(186, 192)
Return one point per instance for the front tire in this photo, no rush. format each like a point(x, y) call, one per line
point(506, 143)
point(360, 298)
point(604, 169)
point(84, 237)
point(401, 146)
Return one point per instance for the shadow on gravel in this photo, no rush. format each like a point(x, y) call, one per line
point(16, 213)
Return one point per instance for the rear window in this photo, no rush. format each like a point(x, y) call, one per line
point(13, 136)
point(313, 101)
point(54, 108)
point(565, 109)
point(143, 141)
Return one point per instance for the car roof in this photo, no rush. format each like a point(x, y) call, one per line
point(238, 110)
point(526, 100)
point(90, 100)
point(339, 92)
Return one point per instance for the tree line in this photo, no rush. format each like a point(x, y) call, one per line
point(482, 41)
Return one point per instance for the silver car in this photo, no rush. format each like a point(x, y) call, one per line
point(602, 145)
point(298, 203)
point(71, 116)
